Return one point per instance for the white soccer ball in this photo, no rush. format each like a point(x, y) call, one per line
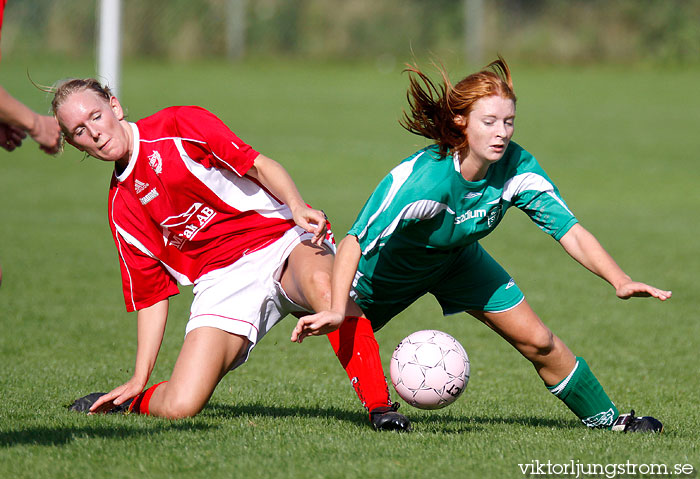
point(429, 369)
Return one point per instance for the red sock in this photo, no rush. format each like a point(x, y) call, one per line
point(358, 352)
point(141, 402)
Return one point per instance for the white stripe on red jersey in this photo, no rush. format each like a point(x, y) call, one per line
point(184, 207)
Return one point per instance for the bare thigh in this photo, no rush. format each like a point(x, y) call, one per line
point(524, 330)
point(206, 356)
point(306, 278)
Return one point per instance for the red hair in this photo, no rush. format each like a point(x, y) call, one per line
point(434, 107)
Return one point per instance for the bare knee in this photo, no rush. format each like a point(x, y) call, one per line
point(318, 288)
point(180, 408)
point(321, 280)
point(538, 345)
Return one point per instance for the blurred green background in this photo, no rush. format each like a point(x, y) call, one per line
point(386, 31)
point(609, 104)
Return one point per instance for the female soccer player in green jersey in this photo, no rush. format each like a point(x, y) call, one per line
point(418, 233)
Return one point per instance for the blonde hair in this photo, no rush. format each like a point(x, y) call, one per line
point(66, 88)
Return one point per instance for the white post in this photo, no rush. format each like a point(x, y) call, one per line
point(474, 31)
point(109, 44)
point(235, 28)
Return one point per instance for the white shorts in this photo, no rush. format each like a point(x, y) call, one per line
point(246, 297)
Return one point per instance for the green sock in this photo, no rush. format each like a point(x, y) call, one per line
point(584, 395)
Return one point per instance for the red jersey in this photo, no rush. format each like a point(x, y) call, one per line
point(183, 207)
point(2, 9)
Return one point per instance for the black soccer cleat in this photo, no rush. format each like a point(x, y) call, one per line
point(630, 423)
point(84, 404)
point(385, 418)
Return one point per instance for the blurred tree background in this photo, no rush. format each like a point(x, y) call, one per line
point(386, 31)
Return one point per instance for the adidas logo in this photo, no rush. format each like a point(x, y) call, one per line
point(140, 186)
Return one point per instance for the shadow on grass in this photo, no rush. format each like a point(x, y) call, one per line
point(436, 422)
point(62, 435)
point(449, 423)
point(219, 410)
point(442, 423)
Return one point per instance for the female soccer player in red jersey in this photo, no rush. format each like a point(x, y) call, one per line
point(190, 202)
point(418, 233)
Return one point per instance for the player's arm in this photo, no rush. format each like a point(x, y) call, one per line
point(276, 179)
point(43, 129)
point(151, 328)
point(230, 152)
point(13, 112)
point(585, 248)
point(344, 268)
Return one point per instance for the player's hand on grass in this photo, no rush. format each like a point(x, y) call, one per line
point(316, 325)
point(313, 221)
point(117, 396)
point(635, 289)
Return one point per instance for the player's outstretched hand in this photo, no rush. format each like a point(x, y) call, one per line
point(635, 289)
point(316, 325)
point(47, 133)
point(117, 396)
point(313, 221)
point(11, 137)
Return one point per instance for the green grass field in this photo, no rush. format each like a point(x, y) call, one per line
point(622, 147)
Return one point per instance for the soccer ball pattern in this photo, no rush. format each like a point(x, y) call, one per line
point(429, 369)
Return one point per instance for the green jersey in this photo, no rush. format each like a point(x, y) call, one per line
point(424, 214)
